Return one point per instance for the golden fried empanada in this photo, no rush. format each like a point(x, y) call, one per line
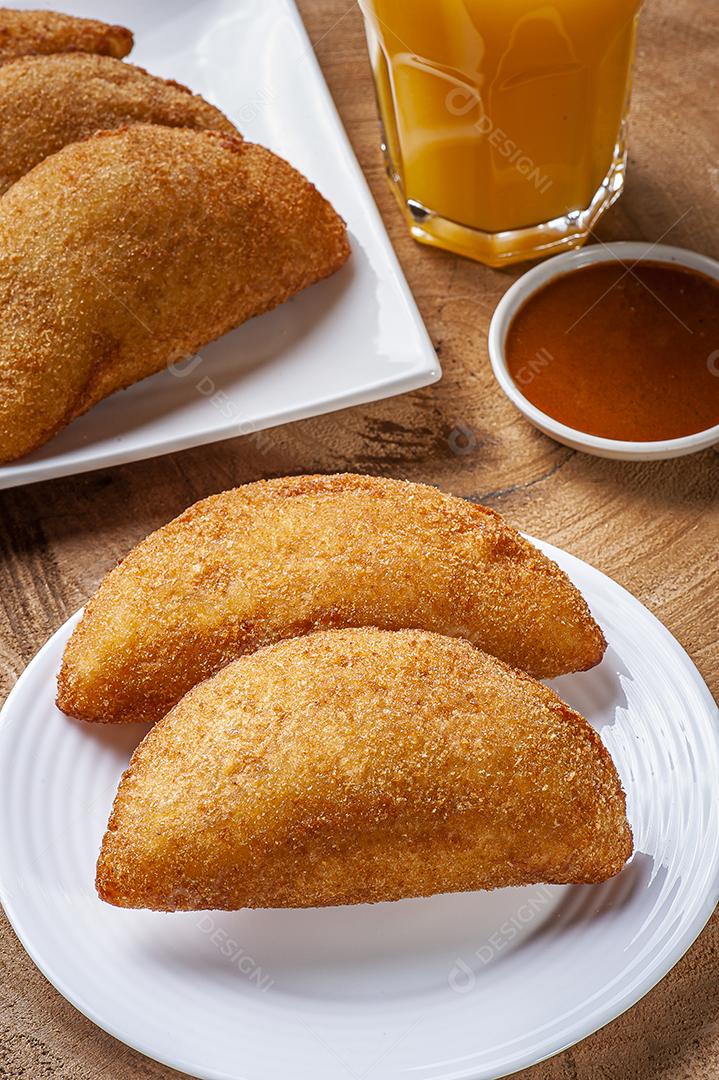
point(47, 102)
point(27, 33)
point(134, 248)
point(355, 766)
point(276, 559)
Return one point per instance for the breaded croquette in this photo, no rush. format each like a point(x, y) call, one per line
point(134, 248)
point(31, 33)
point(47, 102)
point(357, 766)
point(280, 558)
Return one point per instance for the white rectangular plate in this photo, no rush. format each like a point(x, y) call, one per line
point(351, 339)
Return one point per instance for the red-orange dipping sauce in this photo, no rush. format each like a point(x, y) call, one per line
point(624, 354)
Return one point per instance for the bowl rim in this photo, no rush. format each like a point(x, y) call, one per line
point(531, 282)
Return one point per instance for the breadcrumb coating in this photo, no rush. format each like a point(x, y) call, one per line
point(134, 248)
point(47, 102)
point(358, 766)
point(29, 33)
point(279, 558)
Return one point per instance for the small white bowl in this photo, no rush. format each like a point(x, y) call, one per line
point(517, 295)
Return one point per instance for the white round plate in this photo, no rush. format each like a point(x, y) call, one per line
point(466, 986)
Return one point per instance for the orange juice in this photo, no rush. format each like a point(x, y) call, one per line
point(503, 119)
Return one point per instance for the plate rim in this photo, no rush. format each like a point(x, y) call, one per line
point(594, 1020)
point(13, 475)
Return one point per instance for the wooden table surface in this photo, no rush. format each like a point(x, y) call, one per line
point(652, 527)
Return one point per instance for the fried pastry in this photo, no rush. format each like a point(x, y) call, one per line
point(28, 33)
point(280, 558)
point(47, 102)
point(134, 248)
point(357, 766)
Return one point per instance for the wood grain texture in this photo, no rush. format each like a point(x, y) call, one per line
point(653, 528)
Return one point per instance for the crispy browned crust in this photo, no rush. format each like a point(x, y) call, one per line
point(279, 558)
point(47, 102)
point(134, 248)
point(356, 766)
point(28, 33)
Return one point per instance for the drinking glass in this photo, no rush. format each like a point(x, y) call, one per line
point(503, 120)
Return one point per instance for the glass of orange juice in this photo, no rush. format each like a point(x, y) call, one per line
point(503, 120)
